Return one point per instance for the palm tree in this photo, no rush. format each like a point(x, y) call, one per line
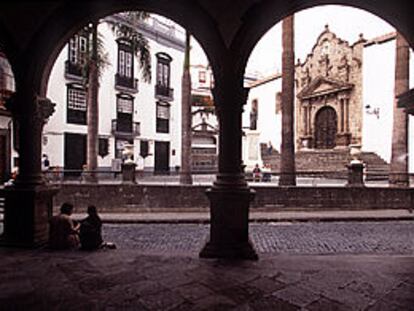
point(185, 176)
point(126, 27)
point(287, 170)
point(96, 62)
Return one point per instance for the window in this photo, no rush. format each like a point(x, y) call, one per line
point(77, 54)
point(76, 104)
point(278, 103)
point(202, 76)
point(163, 118)
point(163, 69)
point(125, 59)
point(253, 115)
point(124, 107)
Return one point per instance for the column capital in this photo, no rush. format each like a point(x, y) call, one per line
point(33, 107)
point(230, 98)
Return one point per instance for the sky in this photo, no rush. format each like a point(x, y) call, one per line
point(346, 22)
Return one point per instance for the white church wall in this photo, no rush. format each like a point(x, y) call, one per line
point(378, 92)
point(268, 121)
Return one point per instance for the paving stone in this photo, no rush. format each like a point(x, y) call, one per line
point(325, 304)
point(350, 299)
point(214, 302)
point(272, 303)
point(241, 294)
point(384, 306)
point(402, 295)
point(297, 295)
point(267, 285)
point(165, 300)
point(373, 287)
point(193, 291)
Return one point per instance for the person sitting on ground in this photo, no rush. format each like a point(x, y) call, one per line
point(256, 173)
point(91, 230)
point(63, 231)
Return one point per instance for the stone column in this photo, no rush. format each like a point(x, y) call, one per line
point(399, 155)
point(341, 103)
point(346, 115)
point(186, 118)
point(287, 169)
point(93, 108)
point(230, 196)
point(305, 119)
point(29, 201)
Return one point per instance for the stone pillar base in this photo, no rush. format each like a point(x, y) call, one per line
point(26, 216)
point(128, 172)
point(229, 229)
point(399, 180)
point(355, 175)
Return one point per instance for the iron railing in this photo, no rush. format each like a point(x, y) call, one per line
point(125, 129)
point(164, 92)
point(126, 83)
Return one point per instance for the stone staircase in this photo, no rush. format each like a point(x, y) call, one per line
point(328, 163)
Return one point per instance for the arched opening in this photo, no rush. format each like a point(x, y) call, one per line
point(336, 64)
point(133, 111)
point(325, 128)
point(8, 143)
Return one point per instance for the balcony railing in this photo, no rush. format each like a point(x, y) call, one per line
point(130, 129)
point(72, 70)
point(126, 83)
point(164, 92)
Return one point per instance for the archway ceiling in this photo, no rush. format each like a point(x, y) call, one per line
point(23, 19)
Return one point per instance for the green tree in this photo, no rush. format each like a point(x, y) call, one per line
point(126, 26)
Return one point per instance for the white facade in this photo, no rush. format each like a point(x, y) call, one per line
point(378, 92)
point(163, 38)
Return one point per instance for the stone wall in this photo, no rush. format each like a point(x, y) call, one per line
point(139, 198)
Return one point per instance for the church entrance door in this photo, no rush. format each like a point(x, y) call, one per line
point(325, 128)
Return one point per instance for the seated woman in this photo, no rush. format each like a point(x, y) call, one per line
point(90, 230)
point(63, 231)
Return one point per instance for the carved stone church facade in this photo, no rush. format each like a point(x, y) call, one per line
point(329, 94)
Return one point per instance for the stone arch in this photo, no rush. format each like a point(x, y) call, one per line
point(325, 128)
point(264, 15)
point(56, 32)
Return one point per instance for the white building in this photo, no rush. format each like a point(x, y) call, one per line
point(8, 158)
point(204, 120)
point(378, 71)
point(147, 115)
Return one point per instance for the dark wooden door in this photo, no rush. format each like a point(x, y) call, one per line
point(75, 153)
point(162, 157)
point(325, 128)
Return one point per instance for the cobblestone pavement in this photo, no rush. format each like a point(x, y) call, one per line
point(129, 280)
point(273, 238)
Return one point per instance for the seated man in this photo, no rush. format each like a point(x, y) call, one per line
point(63, 232)
point(90, 230)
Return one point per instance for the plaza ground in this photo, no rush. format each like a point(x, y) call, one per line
point(302, 266)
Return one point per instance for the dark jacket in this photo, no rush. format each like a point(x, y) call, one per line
point(90, 233)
